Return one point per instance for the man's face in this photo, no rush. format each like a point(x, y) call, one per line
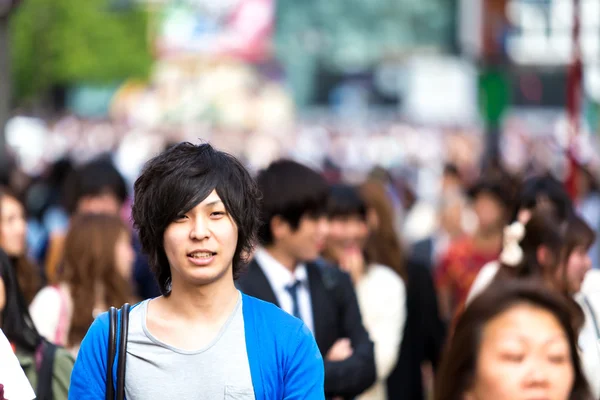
point(201, 243)
point(306, 242)
point(104, 203)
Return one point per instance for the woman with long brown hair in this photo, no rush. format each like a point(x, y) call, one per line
point(13, 240)
point(380, 291)
point(383, 245)
point(424, 332)
point(95, 275)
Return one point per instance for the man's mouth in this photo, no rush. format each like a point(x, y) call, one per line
point(202, 254)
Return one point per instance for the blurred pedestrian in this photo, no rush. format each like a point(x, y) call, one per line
point(541, 193)
point(424, 331)
point(286, 271)
point(47, 367)
point(465, 257)
point(98, 187)
point(587, 203)
point(96, 274)
point(555, 254)
point(380, 290)
point(13, 240)
point(15, 384)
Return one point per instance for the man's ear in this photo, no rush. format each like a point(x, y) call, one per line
point(280, 228)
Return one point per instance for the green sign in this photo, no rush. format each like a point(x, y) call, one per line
point(494, 96)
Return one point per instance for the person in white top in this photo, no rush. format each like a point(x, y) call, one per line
point(556, 254)
point(12, 378)
point(96, 274)
point(380, 290)
point(25, 343)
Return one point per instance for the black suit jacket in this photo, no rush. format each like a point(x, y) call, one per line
point(422, 252)
point(336, 315)
point(424, 335)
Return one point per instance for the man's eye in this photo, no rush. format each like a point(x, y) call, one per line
point(217, 214)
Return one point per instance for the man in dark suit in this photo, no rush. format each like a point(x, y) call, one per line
point(288, 273)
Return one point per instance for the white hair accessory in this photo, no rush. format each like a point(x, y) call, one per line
point(512, 254)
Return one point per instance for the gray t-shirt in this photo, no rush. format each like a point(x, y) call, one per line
point(156, 370)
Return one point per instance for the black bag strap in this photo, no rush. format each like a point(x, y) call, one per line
point(122, 351)
point(112, 348)
point(45, 373)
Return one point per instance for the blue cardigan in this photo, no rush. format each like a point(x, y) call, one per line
point(285, 362)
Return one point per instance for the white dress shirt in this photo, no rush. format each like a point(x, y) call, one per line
point(279, 278)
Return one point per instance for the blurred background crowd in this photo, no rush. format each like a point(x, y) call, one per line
point(450, 106)
point(405, 86)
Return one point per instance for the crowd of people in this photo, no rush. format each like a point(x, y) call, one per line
point(295, 283)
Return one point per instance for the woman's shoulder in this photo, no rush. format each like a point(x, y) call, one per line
point(484, 278)
point(591, 283)
point(49, 295)
point(383, 272)
point(384, 278)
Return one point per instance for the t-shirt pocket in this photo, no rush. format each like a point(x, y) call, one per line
point(239, 393)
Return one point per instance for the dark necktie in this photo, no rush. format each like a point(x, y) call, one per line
point(292, 289)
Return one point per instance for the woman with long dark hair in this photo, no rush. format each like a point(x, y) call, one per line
point(424, 331)
point(13, 238)
point(514, 341)
point(49, 372)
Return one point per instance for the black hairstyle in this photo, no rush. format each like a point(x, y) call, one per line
point(544, 190)
point(345, 201)
point(179, 179)
point(577, 234)
point(459, 362)
point(542, 229)
point(94, 178)
point(451, 170)
point(560, 238)
point(15, 320)
point(289, 190)
point(495, 188)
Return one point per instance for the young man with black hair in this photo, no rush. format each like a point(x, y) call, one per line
point(287, 272)
point(196, 210)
